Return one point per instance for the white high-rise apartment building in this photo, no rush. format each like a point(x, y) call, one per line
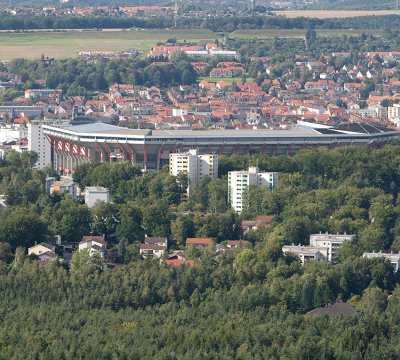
point(240, 180)
point(38, 142)
point(195, 165)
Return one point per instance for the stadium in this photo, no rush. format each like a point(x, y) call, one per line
point(150, 149)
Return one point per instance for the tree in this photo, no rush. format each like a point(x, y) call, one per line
point(99, 83)
point(122, 249)
point(5, 252)
point(84, 258)
point(373, 238)
point(19, 227)
point(129, 227)
point(373, 300)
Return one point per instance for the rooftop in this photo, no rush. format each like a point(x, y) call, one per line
point(336, 309)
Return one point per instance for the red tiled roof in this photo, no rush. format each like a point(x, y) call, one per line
point(237, 242)
point(198, 240)
point(179, 262)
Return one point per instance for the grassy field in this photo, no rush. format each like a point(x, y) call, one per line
point(68, 44)
point(295, 33)
point(227, 80)
point(327, 14)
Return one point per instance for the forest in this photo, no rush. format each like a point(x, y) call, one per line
point(249, 304)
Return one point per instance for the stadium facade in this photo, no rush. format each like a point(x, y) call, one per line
point(150, 149)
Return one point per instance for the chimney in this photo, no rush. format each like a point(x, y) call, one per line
point(35, 243)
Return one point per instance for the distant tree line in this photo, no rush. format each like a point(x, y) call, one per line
point(229, 23)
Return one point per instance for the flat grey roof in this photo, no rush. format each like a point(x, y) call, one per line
point(105, 130)
point(233, 133)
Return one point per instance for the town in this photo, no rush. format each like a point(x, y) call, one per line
point(203, 180)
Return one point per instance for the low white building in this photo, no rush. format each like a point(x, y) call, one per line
point(331, 241)
point(62, 186)
point(307, 253)
point(393, 258)
point(31, 93)
point(12, 132)
point(96, 193)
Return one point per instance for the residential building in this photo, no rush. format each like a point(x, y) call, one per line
point(264, 220)
point(200, 243)
point(307, 253)
point(12, 132)
point(159, 241)
point(393, 258)
point(240, 180)
point(64, 185)
point(37, 142)
point(31, 93)
point(50, 181)
point(152, 251)
point(195, 165)
point(96, 193)
point(94, 243)
point(394, 111)
point(333, 242)
point(232, 244)
point(41, 248)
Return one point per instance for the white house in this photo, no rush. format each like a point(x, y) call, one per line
point(41, 248)
point(159, 241)
point(62, 186)
point(307, 253)
point(331, 241)
point(232, 244)
point(393, 258)
point(152, 251)
point(44, 250)
point(95, 243)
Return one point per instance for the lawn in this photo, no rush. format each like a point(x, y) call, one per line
point(227, 80)
point(295, 33)
point(68, 44)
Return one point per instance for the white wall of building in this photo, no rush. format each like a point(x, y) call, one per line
point(331, 241)
point(96, 193)
point(38, 142)
point(13, 132)
point(240, 180)
point(195, 165)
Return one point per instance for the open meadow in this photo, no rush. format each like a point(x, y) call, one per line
point(295, 33)
point(327, 14)
point(68, 44)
